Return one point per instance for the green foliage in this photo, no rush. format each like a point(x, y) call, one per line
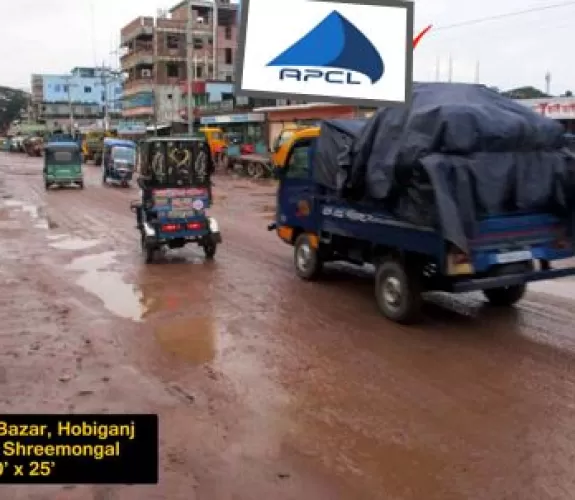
point(12, 102)
point(525, 93)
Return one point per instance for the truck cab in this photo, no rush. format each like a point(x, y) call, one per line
point(216, 141)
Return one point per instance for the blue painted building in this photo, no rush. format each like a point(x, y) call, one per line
point(87, 86)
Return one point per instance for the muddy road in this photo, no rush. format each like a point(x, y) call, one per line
point(266, 386)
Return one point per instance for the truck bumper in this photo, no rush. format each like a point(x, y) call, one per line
point(510, 280)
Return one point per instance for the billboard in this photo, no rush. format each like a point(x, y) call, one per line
point(356, 52)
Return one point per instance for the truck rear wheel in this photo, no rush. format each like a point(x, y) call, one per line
point(307, 261)
point(505, 296)
point(398, 292)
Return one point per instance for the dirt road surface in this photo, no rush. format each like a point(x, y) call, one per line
point(268, 387)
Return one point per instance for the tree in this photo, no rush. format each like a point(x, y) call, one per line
point(12, 103)
point(525, 93)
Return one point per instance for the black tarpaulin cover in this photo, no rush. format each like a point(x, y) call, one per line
point(458, 153)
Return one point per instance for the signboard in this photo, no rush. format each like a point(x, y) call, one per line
point(559, 108)
point(180, 202)
point(239, 118)
point(343, 51)
point(131, 127)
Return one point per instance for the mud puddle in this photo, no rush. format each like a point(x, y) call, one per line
point(70, 243)
point(33, 211)
point(189, 339)
point(120, 298)
point(561, 288)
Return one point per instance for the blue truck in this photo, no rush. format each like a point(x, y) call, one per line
point(505, 252)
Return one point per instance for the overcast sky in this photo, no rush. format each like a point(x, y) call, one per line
point(52, 36)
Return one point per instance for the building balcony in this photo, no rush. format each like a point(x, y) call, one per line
point(141, 57)
point(167, 54)
point(135, 85)
point(170, 25)
point(138, 27)
point(142, 111)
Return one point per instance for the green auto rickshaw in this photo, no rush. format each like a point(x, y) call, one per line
point(63, 164)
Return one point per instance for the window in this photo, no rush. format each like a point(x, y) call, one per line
point(228, 34)
point(66, 88)
point(199, 72)
point(172, 42)
point(298, 164)
point(229, 56)
point(198, 43)
point(172, 70)
point(56, 88)
point(103, 96)
point(229, 78)
point(88, 90)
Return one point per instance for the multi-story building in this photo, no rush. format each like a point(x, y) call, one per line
point(156, 58)
point(86, 94)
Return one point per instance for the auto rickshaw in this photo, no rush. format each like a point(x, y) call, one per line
point(63, 164)
point(119, 161)
point(176, 191)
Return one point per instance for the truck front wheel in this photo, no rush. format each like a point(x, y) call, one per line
point(307, 262)
point(505, 296)
point(398, 292)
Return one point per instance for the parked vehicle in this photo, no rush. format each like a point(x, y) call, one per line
point(502, 254)
point(119, 161)
point(63, 164)
point(216, 142)
point(93, 144)
point(34, 146)
point(176, 192)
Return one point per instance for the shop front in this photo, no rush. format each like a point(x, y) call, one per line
point(561, 109)
point(280, 117)
point(250, 126)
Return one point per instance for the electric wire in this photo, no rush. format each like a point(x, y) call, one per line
point(507, 15)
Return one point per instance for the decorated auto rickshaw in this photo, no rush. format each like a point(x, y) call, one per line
point(175, 194)
point(119, 161)
point(63, 164)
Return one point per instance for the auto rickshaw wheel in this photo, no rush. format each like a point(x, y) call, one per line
point(81, 184)
point(47, 186)
point(210, 250)
point(148, 250)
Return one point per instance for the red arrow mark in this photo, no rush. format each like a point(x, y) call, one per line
point(421, 34)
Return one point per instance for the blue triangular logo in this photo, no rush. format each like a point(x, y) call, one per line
point(336, 43)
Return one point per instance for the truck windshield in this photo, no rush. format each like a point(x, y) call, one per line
point(124, 153)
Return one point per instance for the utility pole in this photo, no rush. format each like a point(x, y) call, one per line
point(155, 75)
point(69, 86)
point(437, 68)
point(450, 73)
point(104, 79)
point(215, 22)
point(190, 71)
